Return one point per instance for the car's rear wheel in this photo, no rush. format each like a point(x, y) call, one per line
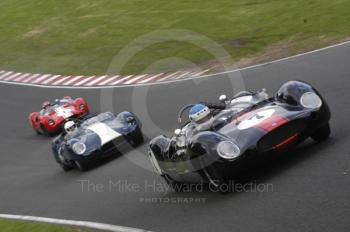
point(322, 133)
point(82, 166)
point(137, 140)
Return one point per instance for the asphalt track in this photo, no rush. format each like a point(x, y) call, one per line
point(311, 185)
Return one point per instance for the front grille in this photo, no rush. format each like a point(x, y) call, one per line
point(280, 134)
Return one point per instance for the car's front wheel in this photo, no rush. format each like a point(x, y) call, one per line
point(174, 185)
point(66, 167)
point(82, 166)
point(63, 163)
point(321, 133)
point(217, 182)
point(45, 131)
point(37, 132)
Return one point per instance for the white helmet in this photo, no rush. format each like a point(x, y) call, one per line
point(69, 126)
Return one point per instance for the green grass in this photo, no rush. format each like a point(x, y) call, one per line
point(83, 36)
point(20, 226)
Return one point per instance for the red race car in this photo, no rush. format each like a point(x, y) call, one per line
point(51, 118)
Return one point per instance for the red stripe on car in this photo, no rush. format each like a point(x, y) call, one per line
point(272, 123)
point(284, 144)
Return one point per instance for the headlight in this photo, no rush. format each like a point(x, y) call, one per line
point(82, 107)
point(228, 150)
point(79, 148)
point(51, 122)
point(311, 100)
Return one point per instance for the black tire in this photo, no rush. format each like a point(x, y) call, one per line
point(82, 166)
point(45, 132)
point(63, 163)
point(138, 140)
point(66, 167)
point(216, 181)
point(321, 133)
point(174, 185)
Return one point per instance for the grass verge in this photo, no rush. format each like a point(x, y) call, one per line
point(82, 36)
point(21, 226)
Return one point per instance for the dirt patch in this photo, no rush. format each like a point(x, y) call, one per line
point(282, 49)
point(85, 4)
point(270, 53)
point(36, 31)
point(238, 43)
point(292, 46)
point(89, 32)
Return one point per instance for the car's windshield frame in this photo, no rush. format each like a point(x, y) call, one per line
point(55, 105)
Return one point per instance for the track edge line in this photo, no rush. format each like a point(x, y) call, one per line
point(86, 224)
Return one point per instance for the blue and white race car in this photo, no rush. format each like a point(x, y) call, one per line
point(100, 136)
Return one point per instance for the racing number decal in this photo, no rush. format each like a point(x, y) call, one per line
point(65, 113)
point(105, 133)
point(256, 119)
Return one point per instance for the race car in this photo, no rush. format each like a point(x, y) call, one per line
point(84, 142)
point(247, 125)
point(50, 119)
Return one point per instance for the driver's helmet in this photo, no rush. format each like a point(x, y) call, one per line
point(45, 104)
point(69, 126)
point(199, 113)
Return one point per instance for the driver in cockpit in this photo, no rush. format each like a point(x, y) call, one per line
point(70, 127)
point(45, 105)
point(199, 116)
point(200, 113)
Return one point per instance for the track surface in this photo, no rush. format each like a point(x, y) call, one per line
point(311, 186)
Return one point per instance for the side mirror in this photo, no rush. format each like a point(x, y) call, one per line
point(223, 98)
point(177, 132)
